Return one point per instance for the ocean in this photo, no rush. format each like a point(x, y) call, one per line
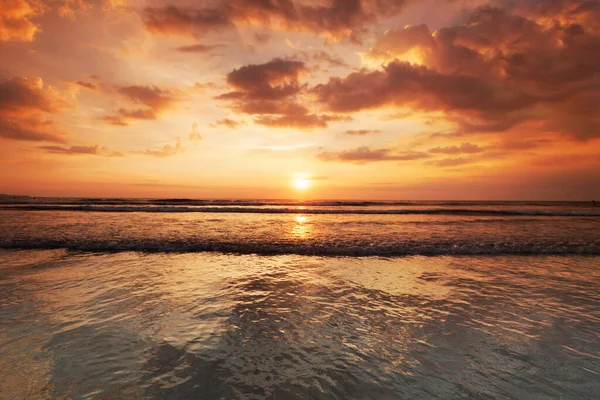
point(264, 299)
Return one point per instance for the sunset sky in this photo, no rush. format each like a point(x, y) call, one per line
point(365, 99)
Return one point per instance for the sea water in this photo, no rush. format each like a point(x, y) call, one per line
point(153, 299)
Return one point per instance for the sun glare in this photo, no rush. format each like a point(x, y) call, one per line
point(301, 182)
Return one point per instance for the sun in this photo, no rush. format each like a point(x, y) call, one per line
point(301, 182)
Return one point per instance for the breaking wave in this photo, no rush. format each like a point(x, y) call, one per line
point(350, 250)
point(349, 210)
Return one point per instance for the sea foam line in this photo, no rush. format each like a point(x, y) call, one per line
point(397, 250)
point(301, 210)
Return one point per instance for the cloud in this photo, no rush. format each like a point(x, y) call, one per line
point(506, 65)
point(464, 148)
point(199, 48)
point(165, 151)
point(152, 96)
point(335, 19)
point(123, 116)
point(156, 100)
point(364, 155)
point(203, 86)
point(227, 122)
point(362, 132)
point(19, 96)
point(269, 91)
point(81, 150)
point(30, 129)
point(405, 85)
point(450, 162)
point(195, 134)
point(172, 20)
point(321, 58)
point(87, 85)
point(298, 121)
point(273, 80)
point(24, 108)
point(15, 23)
point(523, 144)
point(262, 37)
point(16, 16)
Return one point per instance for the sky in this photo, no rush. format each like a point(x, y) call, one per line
point(354, 99)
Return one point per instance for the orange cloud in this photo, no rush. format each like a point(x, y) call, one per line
point(364, 155)
point(405, 85)
point(504, 66)
point(87, 85)
point(24, 106)
point(156, 99)
point(199, 48)
point(229, 123)
point(336, 19)
point(165, 151)
point(30, 129)
point(81, 150)
point(174, 20)
point(269, 91)
point(273, 80)
point(16, 15)
point(15, 23)
point(464, 148)
point(299, 120)
point(362, 132)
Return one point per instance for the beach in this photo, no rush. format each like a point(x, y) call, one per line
point(332, 301)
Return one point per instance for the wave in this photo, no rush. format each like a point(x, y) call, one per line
point(353, 250)
point(304, 210)
point(266, 202)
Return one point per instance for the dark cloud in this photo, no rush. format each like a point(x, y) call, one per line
point(527, 144)
point(152, 96)
point(539, 56)
point(123, 116)
point(273, 80)
point(156, 100)
point(450, 162)
point(229, 123)
point(24, 107)
point(568, 160)
point(30, 129)
point(20, 96)
point(335, 18)
point(173, 20)
point(464, 148)
point(402, 84)
point(87, 85)
point(262, 37)
point(321, 58)
point(70, 150)
point(268, 91)
point(362, 131)
point(364, 155)
point(199, 48)
point(299, 121)
point(324, 57)
point(81, 150)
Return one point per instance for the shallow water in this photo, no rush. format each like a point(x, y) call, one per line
point(209, 325)
point(303, 233)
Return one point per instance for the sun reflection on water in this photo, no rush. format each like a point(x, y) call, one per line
point(301, 228)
